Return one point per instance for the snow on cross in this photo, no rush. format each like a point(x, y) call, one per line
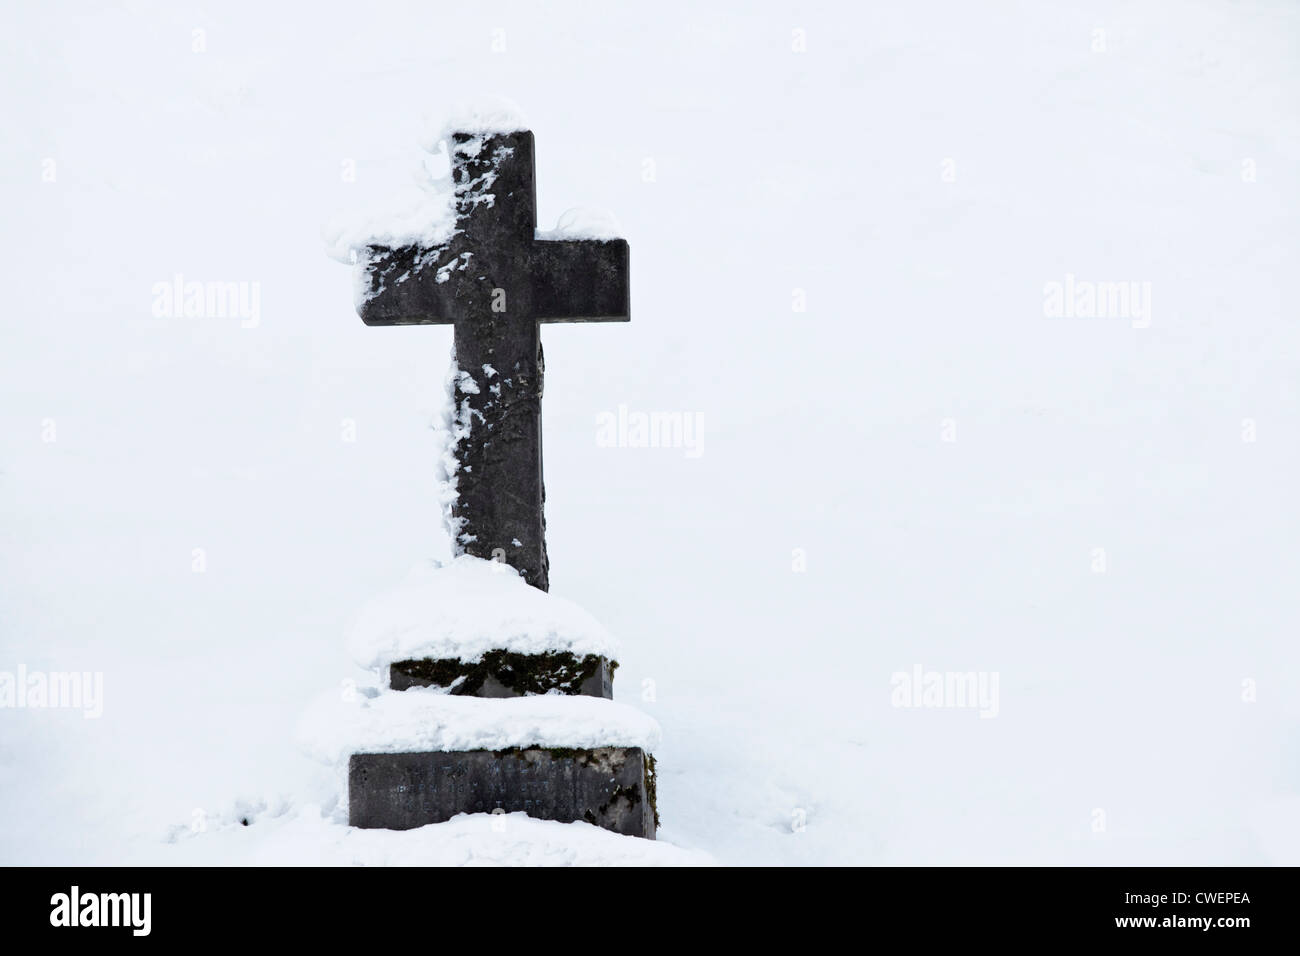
point(496, 280)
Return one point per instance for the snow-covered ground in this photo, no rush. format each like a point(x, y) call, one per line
point(845, 225)
point(300, 836)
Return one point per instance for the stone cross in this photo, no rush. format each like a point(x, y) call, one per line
point(496, 281)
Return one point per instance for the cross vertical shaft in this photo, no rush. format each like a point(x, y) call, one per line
point(499, 493)
point(496, 280)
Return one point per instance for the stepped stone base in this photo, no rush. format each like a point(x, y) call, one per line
point(612, 787)
point(507, 674)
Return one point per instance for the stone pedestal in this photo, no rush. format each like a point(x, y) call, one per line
point(554, 745)
point(612, 787)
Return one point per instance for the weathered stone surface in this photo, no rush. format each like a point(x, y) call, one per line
point(495, 280)
point(611, 787)
point(507, 674)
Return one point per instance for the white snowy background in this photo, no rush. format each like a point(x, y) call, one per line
point(920, 171)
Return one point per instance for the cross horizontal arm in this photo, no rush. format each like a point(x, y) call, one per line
point(403, 290)
point(581, 280)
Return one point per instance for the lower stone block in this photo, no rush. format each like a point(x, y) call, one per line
point(612, 787)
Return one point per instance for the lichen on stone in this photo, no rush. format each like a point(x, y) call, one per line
point(525, 674)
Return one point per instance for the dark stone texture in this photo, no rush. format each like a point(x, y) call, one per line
point(506, 674)
point(498, 282)
point(612, 787)
point(580, 280)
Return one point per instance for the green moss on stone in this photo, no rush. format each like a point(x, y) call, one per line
point(651, 790)
point(521, 673)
